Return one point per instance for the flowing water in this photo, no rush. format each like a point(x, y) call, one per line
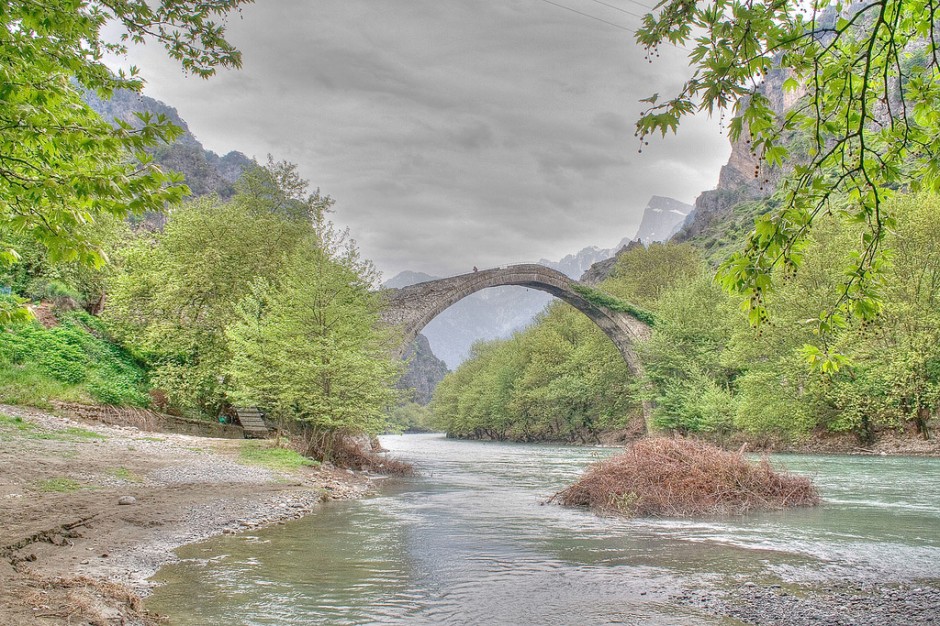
point(469, 541)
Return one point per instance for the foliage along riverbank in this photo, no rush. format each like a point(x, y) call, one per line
point(257, 300)
point(708, 372)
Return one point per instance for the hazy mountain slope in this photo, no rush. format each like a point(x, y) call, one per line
point(573, 265)
point(407, 278)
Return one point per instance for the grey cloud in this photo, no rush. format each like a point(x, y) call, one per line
point(452, 133)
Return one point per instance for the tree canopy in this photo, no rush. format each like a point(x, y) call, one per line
point(866, 83)
point(257, 301)
point(705, 369)
point(61, 165)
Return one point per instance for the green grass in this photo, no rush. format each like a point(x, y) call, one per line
point(73, 432)
point(59, 485)
point(15, 424)
point(17, 427)
point(24, 384)
point(72, 362)
point(267, 455)
point(122, 473)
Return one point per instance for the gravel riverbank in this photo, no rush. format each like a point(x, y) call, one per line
point(867, 604)
point(90, 512)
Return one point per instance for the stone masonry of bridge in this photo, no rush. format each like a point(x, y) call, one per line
point(412, 308)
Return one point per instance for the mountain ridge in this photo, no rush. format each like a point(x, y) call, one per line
point(205, 171)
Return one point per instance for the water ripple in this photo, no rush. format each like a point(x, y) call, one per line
point(470, 541)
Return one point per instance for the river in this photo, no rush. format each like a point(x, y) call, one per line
point(470, 541)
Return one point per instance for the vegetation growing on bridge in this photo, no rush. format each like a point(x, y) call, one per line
point(599, 298)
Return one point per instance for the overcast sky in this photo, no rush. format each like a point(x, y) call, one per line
point(452, 133)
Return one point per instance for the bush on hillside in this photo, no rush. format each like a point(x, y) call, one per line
point(663, 477)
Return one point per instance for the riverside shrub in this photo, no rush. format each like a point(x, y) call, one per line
point(664, 477)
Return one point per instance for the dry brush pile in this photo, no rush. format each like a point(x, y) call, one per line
point(662, 477)
point(348, 451)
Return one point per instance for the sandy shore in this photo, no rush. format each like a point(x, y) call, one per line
point(72, 553)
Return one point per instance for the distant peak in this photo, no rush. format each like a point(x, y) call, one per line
point(407, 278)
point(660, 219)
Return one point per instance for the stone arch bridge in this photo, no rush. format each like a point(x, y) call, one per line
point(412, 308)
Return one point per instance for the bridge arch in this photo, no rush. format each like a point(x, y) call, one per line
point(411, 308)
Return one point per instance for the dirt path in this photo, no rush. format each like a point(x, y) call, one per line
point(73, 553)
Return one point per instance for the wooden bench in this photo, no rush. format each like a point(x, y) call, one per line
point(252, 422)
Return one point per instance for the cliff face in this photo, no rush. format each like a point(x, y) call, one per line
point(206, 172)
point(742, 178)
point(424, 371)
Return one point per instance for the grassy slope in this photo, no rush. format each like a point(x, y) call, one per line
point(73, 361)
point(727, 230)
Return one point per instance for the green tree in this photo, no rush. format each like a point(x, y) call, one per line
point(561, 380)
point(179, 289)
point(38, 277)
point(643, 274)
point(690, 382)
point(892, 377)
point(306, 344)
point(896, 377)
point(62, 166)
point(411, 417)
point(868, 82)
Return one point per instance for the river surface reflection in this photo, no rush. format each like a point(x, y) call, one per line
point(469, 541)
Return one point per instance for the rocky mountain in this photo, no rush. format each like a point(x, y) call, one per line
point(424, 371)
point(723, 215)
point(661, 219)
point(205, 171)
point(573, 265)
